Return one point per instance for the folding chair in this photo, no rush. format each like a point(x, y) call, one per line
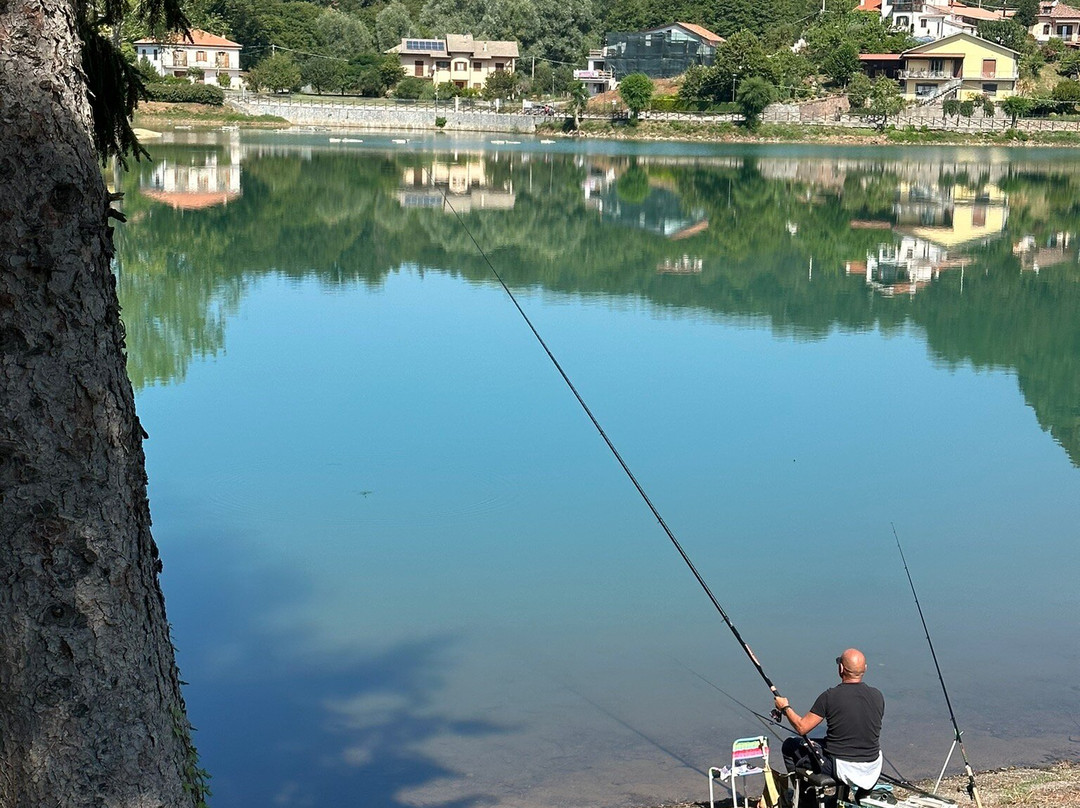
point(748, 756)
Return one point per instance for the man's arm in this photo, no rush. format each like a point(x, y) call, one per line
point(801, 724)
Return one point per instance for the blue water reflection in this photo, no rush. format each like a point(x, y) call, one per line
point(403, 569)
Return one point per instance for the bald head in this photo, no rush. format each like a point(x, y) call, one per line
point(852, 665)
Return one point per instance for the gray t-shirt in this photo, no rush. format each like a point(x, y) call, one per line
point(853, 712)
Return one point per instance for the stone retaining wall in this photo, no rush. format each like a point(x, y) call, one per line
point(383, 116)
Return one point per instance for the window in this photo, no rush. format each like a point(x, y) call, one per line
point(222, 59)
point(902, 22)
point(922, 90)
point(937, 66)
point(460, 66)
point(1065, 31)
point(443, 64)
point(200, 56)
point(179, 58)
point(477, 85)
point(989, 68)
point(418, 68)
point(477, 66)
point(990, 90)
point(499, 66)
point(1046, 30)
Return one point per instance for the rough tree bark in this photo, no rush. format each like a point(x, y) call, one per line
point(91, 712)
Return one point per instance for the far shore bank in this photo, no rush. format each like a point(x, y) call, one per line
point(156, 115)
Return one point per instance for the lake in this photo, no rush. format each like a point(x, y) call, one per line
point(402, 567)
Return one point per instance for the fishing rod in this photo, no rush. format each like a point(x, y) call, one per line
point(626, 468)
point(771, 723)
point(972, 790)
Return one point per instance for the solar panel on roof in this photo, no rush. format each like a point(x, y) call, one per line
point(423, 44)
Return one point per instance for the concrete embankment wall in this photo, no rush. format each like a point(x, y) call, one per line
point(385, 116)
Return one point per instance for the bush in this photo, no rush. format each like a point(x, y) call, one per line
point(185, 93)
point(412, 87)
point(440, 122)
point(858, 91)
point(224, 80)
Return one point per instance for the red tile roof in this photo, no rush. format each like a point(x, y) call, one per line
point(196, 37)
point(1058, 11)
point(702, 32)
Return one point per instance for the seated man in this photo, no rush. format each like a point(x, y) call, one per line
point(852, 711)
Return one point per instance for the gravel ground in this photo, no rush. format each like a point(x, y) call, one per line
point(1056, 786)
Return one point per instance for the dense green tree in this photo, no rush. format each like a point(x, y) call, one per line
point(841, 63)
point(323, 74)
point(392, 24)
point(741, 56)
point(579, 100)
point(754, 94)
point(341, 35)
point(790, 72)
point(1016, 106)
point(885, 100)
point(411, 87)
point(950, 107)
point(636, 90)
point(1067, 94)
point(1027, 13)
point(512, 19)
point(858, 90)
point(1004, 32)
point(1069, 66)
point(501, 84)
point(443, 17)
point(278, 72)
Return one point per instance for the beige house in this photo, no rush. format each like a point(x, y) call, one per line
point(215, 55)
point(961, 66)
point(459, 58)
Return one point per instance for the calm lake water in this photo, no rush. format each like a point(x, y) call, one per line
point(403, 569)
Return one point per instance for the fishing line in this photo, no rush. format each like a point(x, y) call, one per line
point(611, 446)
point(959, 741)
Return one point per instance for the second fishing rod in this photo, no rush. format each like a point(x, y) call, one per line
point(618, 457)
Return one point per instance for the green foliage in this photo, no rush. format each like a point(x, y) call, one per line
point(790, 72)
point(841, 63)
point(754, 94)
point(323, 74)
point(196, 74)
point(1031, 64)
point(1067, 94)
point(1004, 32)
point(885, 100)
point(636, 90)
point(185, 93)
point(224, 80)
point(987, 104)
point(1069, 65)
point(147, 72)
point(278, 73)
point(341, 35)
point(440, 122)
point(579, 100)
point(411, 87)
point(393, 24)
point(501, 84)
point(858, 90)
point(967, 108)
point(950, 107)
point(1016, 106)
point(1027, 12)
point(543, 80)
point(1053, 49)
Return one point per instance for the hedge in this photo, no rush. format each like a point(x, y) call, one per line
point(185, 93)
point(672, 103)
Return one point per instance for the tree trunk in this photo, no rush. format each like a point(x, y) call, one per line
point(91, 712)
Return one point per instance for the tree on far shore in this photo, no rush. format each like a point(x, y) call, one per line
point(636, 90)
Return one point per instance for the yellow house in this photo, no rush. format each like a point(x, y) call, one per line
point(952, 216)
point(459, 58)
point(958, 66)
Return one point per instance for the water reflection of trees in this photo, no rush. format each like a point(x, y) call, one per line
point(768, 238)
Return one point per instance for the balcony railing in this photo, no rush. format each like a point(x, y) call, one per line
point(937, 75)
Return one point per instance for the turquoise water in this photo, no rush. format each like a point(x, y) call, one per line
point(403, 569)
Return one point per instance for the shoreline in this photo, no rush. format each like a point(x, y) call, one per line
point(151, 115)
point(1055, 785)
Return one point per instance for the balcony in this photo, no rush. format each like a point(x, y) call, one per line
point(933, 75)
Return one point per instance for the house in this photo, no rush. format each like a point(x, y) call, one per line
point(959, 66)
point(459, 58)
point(216, 56)
point(661, 52)
point(936, 19)
point(596, 77)
point(1056, 19)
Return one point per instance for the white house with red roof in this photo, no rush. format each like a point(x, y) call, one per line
point(1056, 19)
point(216, 56)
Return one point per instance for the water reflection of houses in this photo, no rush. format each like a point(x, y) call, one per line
point(951, 215)
point(467, 184)
point(661, 211)
point(200, 180)
point(1034, 255)
point(906, 266)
